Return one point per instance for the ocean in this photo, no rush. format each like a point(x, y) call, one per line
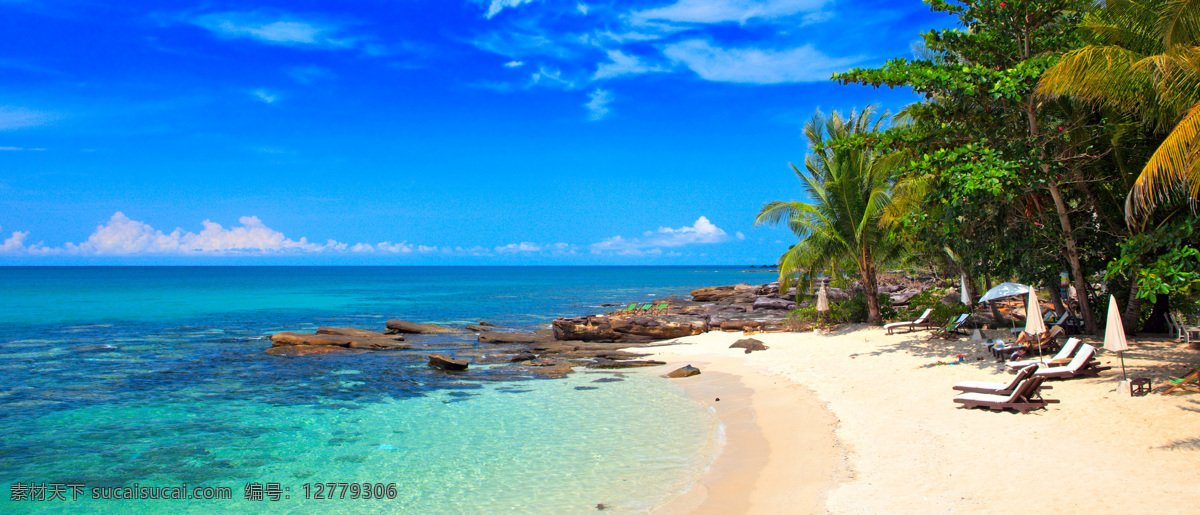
point(122, 383)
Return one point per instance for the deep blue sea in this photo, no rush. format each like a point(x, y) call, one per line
point(150, 377)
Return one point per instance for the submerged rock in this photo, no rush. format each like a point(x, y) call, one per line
point(446, 363)
point(375, 341)
point(361, 333)
point(506, 337)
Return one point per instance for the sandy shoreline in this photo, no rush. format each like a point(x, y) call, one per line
point(860, 421)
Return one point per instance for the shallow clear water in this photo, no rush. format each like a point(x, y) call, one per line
point(157, 376)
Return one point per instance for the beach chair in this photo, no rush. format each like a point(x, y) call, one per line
point(1048, 342)
point(1024, 398)
point(627, 309)
point(1189, 382)
point(949, 330)
point(1185, 330)
point(921, 320)
point(661, 308)
point(1062, 358)
point(645, 309)
point(1082, 365)
point(997, 388)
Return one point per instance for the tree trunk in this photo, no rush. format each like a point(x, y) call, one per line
point(1133, 308)
point(866, 272)
point(1057, 300)
point(1081, 285)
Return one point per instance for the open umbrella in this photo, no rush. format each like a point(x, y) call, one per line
point(1114, 334)
point(1034, 325)
point(1004, 290)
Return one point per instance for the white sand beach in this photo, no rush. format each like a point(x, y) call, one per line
point(858, 421)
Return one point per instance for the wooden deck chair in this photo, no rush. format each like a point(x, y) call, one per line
point(1062, 358)
point(1024, 398)
point(997, 388)
point(1190, 382)
point(627, 310)
point(1186, 329)
point(949, 330)
point(661, 308)
point(1082, 365)
point(921, 320)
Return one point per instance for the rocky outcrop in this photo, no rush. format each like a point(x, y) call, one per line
point(360, 333)
point(765, 303)
point(374, 341)
point(687, 371)
point(636, 329)
point(441, 362)
point(402, 326)
point(507, 337)
point(750, 344)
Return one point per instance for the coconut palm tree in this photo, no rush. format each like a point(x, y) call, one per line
point(1144, 59)
point(849, 187)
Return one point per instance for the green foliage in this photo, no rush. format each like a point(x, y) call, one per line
point(849, 311)
point(1163, 261)
point(932, 298)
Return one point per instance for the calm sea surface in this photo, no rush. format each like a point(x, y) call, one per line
point(149, 377)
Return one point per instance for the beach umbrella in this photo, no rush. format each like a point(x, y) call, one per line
point(1034, 325)
point(1004, 290)
point(966, 295)
point(822, 299)
point(1114, 334)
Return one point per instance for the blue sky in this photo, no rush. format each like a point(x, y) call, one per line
point(419, 132)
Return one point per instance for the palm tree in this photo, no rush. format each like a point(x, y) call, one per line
point(1144, 59)
point(849, 186)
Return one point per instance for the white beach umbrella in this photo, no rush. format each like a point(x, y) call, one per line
point(1114, 333)
point(966, 295)
point(822, 299)
point(1034, 325)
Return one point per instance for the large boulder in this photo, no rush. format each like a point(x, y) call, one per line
point(750, 344)
point(687, 371)
point(293, 351)
point(763, 303)
point(402, 326)
point(903, 296)
point(377, 341)
point(626, 329)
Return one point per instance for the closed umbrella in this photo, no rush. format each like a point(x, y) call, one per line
point(966, 294)
point(1114, 334)
point(822, 301)
point(1034, 325)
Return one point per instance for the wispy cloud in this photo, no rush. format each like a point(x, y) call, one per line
point(513, 64)
point(275, 29)
point(499, 5)
point(756, 66)
point(622, 64)
point(265, 96)
point(652, 242)
point(582, 8)
point(719, 11)
point(598, 105)
point(20, 149)
point(309, 74)
point(13, 117)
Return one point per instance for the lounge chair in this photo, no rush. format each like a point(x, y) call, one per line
point(997, 388)
point(949, 330)
point(626, 310)
point(1190, 382)
point(1046, 342)
point(661, 308)
point(1184, 329)
point(1062, 358)
point(1024, 398)
point(1082, 365)
point(921, 320)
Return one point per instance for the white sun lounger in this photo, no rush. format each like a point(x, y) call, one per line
point(1067, 351)
point(910, 325)
point(997, 388)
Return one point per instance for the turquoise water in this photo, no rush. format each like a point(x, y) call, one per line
point(116, 376)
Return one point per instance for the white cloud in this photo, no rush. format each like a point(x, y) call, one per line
point(740, 236)
point(499, 5)
point(273, 29)
point(551, 77)
point(519, 247)
point(582, 7)
point(265, 96)
point(719, 11)
point(19, 149)
point(15, 243)
point(621, 64)
point(752, 65)
point(598, 105)
point(513, 64)
point(702, 231)
point(12, 117)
